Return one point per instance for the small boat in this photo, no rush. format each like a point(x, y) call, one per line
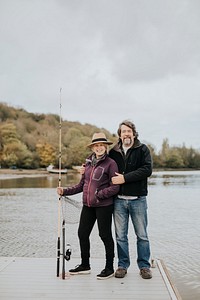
point(51, 169)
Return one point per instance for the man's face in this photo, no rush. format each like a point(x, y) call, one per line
point(127, 136)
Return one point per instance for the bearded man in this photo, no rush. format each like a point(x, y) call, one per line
point(135, 166)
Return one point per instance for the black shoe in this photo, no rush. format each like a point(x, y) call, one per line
point(105, 274)
point(80, 269)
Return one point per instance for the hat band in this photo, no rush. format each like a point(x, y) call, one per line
point(100, 139)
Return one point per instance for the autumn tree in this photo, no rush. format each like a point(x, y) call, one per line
point(46, 153)
point(31, 140)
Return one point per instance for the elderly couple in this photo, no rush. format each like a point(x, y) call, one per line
point(114, 184)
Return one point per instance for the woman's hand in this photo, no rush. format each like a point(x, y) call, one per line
point(60, 191)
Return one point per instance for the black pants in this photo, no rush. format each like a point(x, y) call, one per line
point(103, 215)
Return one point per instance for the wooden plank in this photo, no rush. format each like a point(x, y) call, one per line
point(168, 281)
point(5, 262)
point(35, 278)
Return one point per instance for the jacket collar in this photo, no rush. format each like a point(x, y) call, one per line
point(94, 161)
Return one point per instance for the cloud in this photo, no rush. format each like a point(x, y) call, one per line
point(113, 59)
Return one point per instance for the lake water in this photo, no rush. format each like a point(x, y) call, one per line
point(29, 223)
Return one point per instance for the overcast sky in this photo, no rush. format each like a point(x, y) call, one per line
point(113, 59)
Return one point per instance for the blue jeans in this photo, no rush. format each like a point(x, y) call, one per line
point(137, 210)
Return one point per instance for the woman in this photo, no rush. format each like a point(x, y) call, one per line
point(98, 192)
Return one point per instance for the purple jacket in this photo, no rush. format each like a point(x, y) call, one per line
point(96, 184)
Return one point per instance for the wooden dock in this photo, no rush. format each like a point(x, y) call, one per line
point(35, 279)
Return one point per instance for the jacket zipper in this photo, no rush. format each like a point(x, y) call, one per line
point(88, 194)
point(125, 159)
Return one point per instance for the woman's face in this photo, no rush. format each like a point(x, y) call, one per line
point(99, 149)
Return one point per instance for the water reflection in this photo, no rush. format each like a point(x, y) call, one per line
point(166, 178)
point(180, 178)
point(44, 181)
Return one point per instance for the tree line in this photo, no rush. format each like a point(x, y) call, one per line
point(31, 141)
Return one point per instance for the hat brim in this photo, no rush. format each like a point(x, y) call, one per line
point(100, 142)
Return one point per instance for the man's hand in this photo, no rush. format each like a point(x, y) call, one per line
point(82, 169)
point(118, 179)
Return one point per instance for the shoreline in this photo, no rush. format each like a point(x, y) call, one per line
point(45, 172)
point(19, 173)
point(23, 171)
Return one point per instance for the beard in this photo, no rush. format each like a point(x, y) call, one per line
point(127, 141)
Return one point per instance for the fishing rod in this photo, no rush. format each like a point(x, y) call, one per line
point(65, 255)
point(59, 206)
point(59, 185)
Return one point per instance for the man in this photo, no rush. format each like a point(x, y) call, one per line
point(135, 166)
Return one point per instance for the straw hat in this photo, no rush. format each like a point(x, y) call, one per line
point(99, 138)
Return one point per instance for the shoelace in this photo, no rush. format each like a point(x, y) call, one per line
point(145, 270)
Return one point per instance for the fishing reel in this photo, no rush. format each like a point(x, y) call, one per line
point(68, 252)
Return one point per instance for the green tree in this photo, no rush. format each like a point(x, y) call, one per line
point(78, 151)
point(72, 135)
point(193, 158)
point(16, 153)
point(155, 157)
point(174, 159)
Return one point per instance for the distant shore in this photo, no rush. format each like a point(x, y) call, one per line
point(45, 172)
point(24, 171)
point(17, 173)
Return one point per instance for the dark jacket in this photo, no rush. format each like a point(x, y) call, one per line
point(136, 166)
point(96, 184)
